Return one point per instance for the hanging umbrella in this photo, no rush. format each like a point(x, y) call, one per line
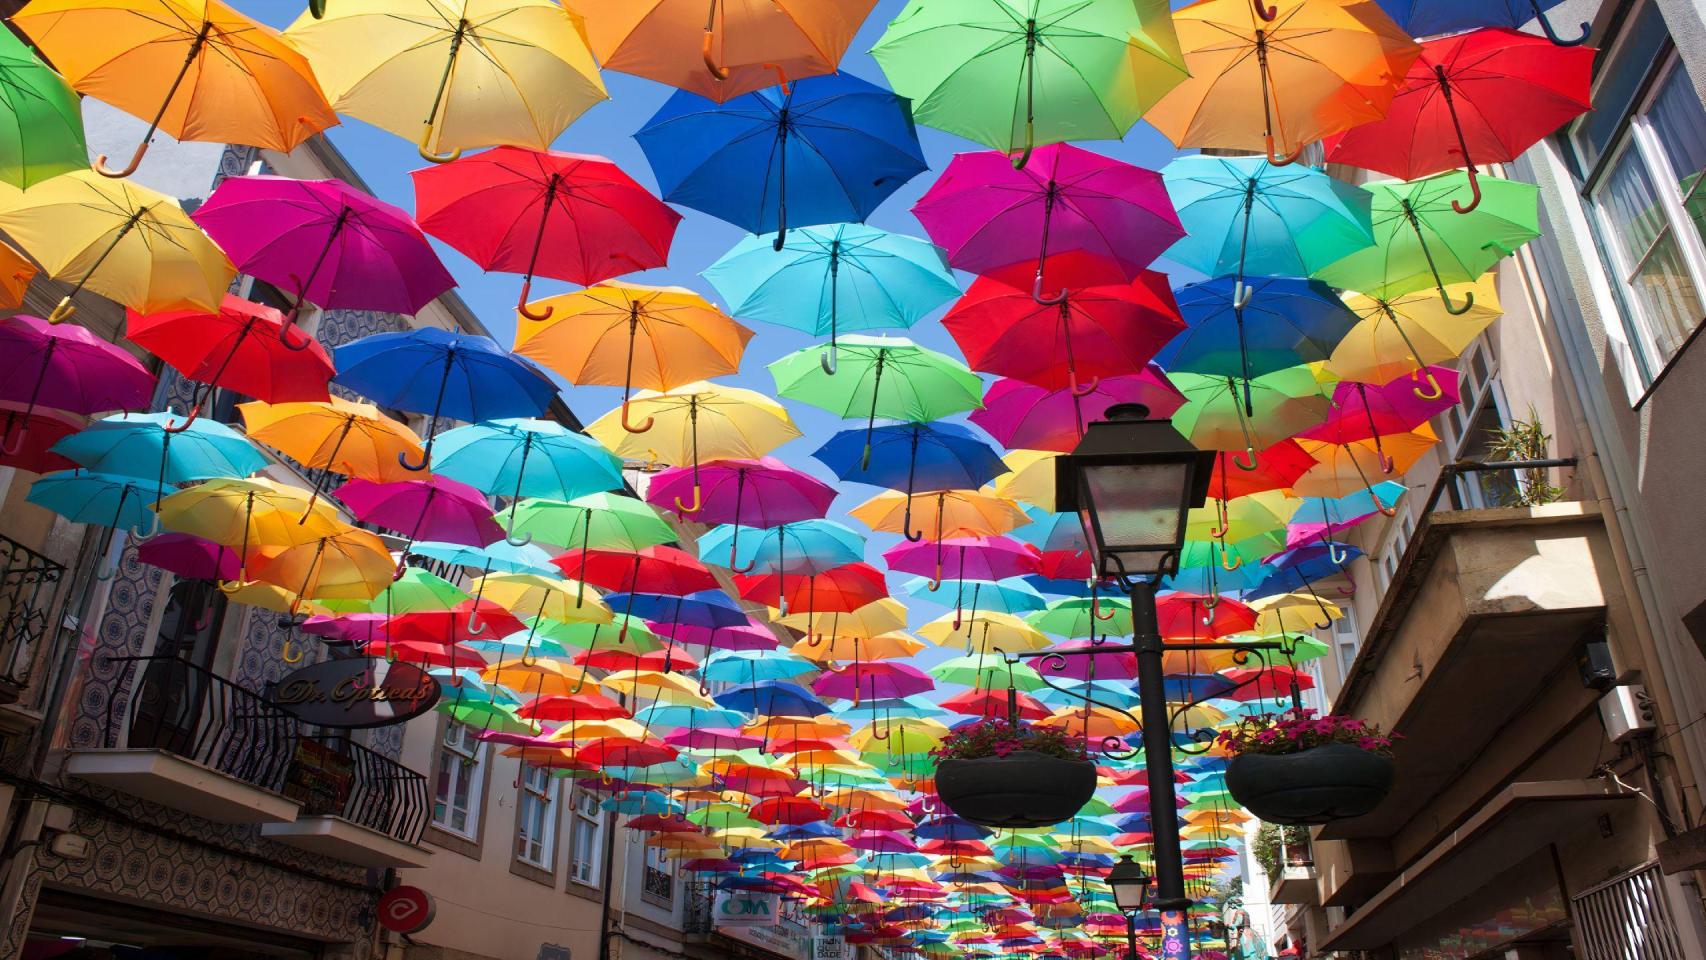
point(63, 368)
point(656, 569)
point(140, 445)
point(1276, 78)
point(199, 69)
point(1097, 220)
point(430, 508)
point(1025, 416)
point(1429, 18)
point(1477, 98)
point(1421, 241)
point(247, 516)
point(456, 74)
point(1362, 412)
point(754, 493)
point(124, 242)
point(28, 438)
point(100, 499)
point(351, 565)
point(1409, 332)
point(799, 547)
point(324, 242)
point(599, 521)
point(338, 436)
point(1190, 616)
point(844, 589)
point(1325, 518)
point(41, 121)
point(695, 423)
point(844, 276)
point(734, 48)
point(1286, 402)
point(874, 681)
point(1069, 341)
point(243, 348)
point(190, 558)
point(950, 513)
point(1014, 75)
point(922, 385)
point(1345, 468)
point(527, 458)
point(497, 555)
point(912, 456)
point(825, 149)
point(884, 616)
point(1243, 215)
point(454, 375)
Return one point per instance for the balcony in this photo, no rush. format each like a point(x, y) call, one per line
point(1292, 880)
point(29, 605)
point(358, 806)
point(193, 741)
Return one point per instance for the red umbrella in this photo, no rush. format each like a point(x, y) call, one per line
point(1192, 616)
point(993, 703)
point(1277, 467)
point(1094, 332)
point(626, 752)
point(1474, 98)
point(1065, 565)
point(444, 627)
point(241, 348)
point(791, 810)
point(668, 659)
point(572, 707)
point(660, 569)
point(842, 589)
point(1028, 417)
point(1266, 683)
point(542, 213)
point(877, 820)
point(427, 654)
point(33, 435)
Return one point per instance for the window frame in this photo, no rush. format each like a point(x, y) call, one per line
point(477, 760)
point(579, 819)
point(546, 801)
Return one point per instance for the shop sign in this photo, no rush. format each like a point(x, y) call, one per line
point(406, 909)
point(829, 948)
point(745, 908)
point(354, 693)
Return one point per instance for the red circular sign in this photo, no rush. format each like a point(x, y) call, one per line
point(406, 909)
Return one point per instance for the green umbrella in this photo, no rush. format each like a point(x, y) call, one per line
point(889, 377)
point(592, 636)
point(1013, 74)
point(1231, 555)
point(416, 591)
point(987, 673)
point(41, 119)
point(1286, 402)
point(596, 521)
point(1420, 241)
point(1072, 617)
point(485, 715)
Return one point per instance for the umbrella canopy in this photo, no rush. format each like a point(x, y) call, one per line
point(198, 68)
point(430, 508)
point(28, 438)
point(122, 241)
point(101, 499)
point(339, 436)
point(63, 368)
point(527, 458)
point(1403, 334)
point(1429, 18)
point(693, 423)
point(351, 565)
point(802, 547)
point(248, 515)
point(140, 445)
point(913, 456)
point(601, 521)
point(41, 121)
point(735, 49)
point(1025, 416)
point(454, 74)
point(1014, 75)
point(824, 149)
point(754, 493)
point(1213, 417)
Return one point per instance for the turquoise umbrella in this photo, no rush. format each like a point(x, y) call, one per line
point(1013, 596)
point(526, 458)
point(751, 666)
point(140, 445)
point(843, 276)
point(805, 548)
point(498, 557)
point(98, 499)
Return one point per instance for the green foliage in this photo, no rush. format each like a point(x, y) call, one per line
point(1270, 843)
point(1298, 730)
point(1525, 440)
point(998, 738)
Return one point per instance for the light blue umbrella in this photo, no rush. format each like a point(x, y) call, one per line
point(892, 708)
point(687, 715)
point(648, 801)
point(527, 458)
point(98, 499)
point(520, 644)
point(751, 666)
point(139, 445)
point(501, 557)
point(1111, 692)
point(805, 548)
point(1051, 531)
point(842, 276)
point(1012, 595)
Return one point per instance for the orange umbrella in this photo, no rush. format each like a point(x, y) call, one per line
point(338, 436)
point(720, 49)
point(199, 69)
point(654, 338)
point(1346, 468)
point(1279, 78)
point(350, 565)
point(16, 272)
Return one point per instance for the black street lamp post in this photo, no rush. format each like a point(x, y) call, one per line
point(1131, 894)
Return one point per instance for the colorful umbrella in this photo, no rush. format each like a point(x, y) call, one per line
point(27, 438)
point(63, 368)
point(845, 589)
point(600, 521)
point(527, 458)
point(1362, 412)
point(351, 565)
point(430, 508)
point(1428, 18)
point(338, 436)
point(198, 68)
point(885, 280)
point(754, 493)
point(1286, 402)
point(1345, 468)
point(1026, 416)
point(801, 547)
point(99, 499)
point(41, 122)
point(140, 445)
point(936, 456)
point(464, 73)
point(1409, 332)
point(825, 149)
point(1014, 75)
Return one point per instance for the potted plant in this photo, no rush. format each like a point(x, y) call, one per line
point(1000, 774)
point(1298, 769)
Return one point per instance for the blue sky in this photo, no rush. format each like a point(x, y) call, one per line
point(607, 130)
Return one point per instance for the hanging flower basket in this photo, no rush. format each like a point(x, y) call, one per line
point(997, 774)
point(1298, 770)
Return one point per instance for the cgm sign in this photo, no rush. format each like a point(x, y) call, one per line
point(743, 908)
point(354, 693)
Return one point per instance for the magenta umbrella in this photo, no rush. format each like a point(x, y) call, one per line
point(1306, 534)
point(882, 841)
point(190, 557)
point(1362, 411)
point(1111, 219)
point(1024, 416)
point(431, 508)
point(1098, 666)
point(324, 242)
point(877, 680)
point(964, 558)
point(689, 738)
point(64, 367)
point(748, 493)
point(749, 636)
point(358, 628)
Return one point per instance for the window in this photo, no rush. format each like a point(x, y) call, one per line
point(587, 835)
point(658, 880)
point(461, 781)
point(1398, 537)
point(1468, 428)
point(1345, 641)
point(536, 817)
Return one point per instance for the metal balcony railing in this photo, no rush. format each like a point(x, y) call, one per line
point(29, 607)
point(657, 884)
point(188, 710)
point(365, 787)
point(1536, 471)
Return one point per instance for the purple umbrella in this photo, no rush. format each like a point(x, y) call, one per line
point(324, 242)
point(749, 636)
point(432, 508)
point(191, 557)
point(748, 493)
point(1027, 417)
point(882, 841)
point(359, 628)
point(64, 367)
point(1100, 666)
point(964, 558)
point(881, 680)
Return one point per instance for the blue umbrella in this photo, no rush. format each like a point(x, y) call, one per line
point(527, 458)
point(687, 715)
point(1295, 569)
point(775, 698)
point(1250, 329)
point(1214, 579)
point(803, 831)
point(499, 556)
point(912, 456)
point(1002, 596)
point(1052, 531)
point(893, 708)
point(707, 608)
point(798, 549)
point(822, 150)
point(433, 371)
point(1058, 588)
point(751, 666)
point(99, 499)
point(844, 276)
point(950, 827)
point(1428, 18)
point(139, 445)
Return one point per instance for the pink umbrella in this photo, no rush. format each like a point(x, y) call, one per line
point(1024, 416)
point(1362, 411)
point(1104, 666)
point(324, 242)
point(964, 558)
point(1301, 534)
point(752, 636)
point(687, 738)
point(190, 557)
point(879, 680)
point(997, 221)
point(434, 508)
point(362, 628)
point(882, 841)
point(752, 493)
point(64, 367)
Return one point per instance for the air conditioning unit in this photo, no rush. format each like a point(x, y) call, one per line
point(1627, 712)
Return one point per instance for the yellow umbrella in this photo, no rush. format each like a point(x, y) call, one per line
point(464, 73)
point(123, 241)
point(338, 436)
point(990, 631)
point(596, 729)
point(1030, 478)
point(862, 798)
point(694, 423)
point(664, 687)
point(1092, 723)
point(248, 514)
point(350, 565)
point(538, 676)
point(1291, 612)
point(1342, 469)
point(879, 617)
point(199, 69)
point(533, 595)
point(1402, 336)
point(943, 513)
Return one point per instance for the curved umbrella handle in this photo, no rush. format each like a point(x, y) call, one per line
point(153, 529)
point(936, 581)
point(404, 462)
point(827, 359)
point(880, 736)
point(906, 530)
point(1334, 554)
point(170, 427)
point(705, 53)
point(1475, 192)
point(1096, 610)
point(1083, 390)
point(1468, 301)
point(135, 161)
point(1385, 510)
point(11, 443)
point(426, 152)
point(524, 541)
point(1208, 613)
point(1252, 465)
point(632, 427)
point(1552, 35)
point(1288, 159)
point(1053, 300)
point(232, 587)
point(1350, 591)
point(475, 627)
point(402, 567)
point(62, 310)
point(1210, 602)
point(1266, 14)
point(522, 307)
point(1434, 390)
point(1226, 554)
point(317, 8)
point(1386, 464)
point(814, 644)
point(294, 346)
point(743, 571)
point(285, 651)
point(1241, 294)
point(697, 505)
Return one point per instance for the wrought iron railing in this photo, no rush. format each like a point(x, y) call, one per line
point(699, 897)
point(186, 709)
point(362, 786)
point(657, 884)
point(29, 605)
point(1449, 474)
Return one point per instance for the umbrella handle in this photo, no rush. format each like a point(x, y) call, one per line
point(1546, 27)
point(1252, 465)
point(153, 529)
point(1053, 300)
point(632, 427)
point(1386, 464)
point(697, 505)
point(406, 464)
point(426, 153)
point(1224, 555)
point(1208, 613)
point(936, 581)
point(195, 411)
point(524, 541)
point(130, 168)
point(739, 569)
point(1468, 301)
point(63, 310)
point(522, 307)
point(782, 75)
point(11, 442)
point(285, 651)
point(1084, 390)
point(317, 8)
point(475, 627)
point(1474, 192)
point(827, 359)
point(1347, 592)
point(294, 346)
point(1288, 159)
point(705, 53)
point(1434, 390)
point(1241, 294)
point(1385, 510)
point(1096, 610)
point(1267, 14)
